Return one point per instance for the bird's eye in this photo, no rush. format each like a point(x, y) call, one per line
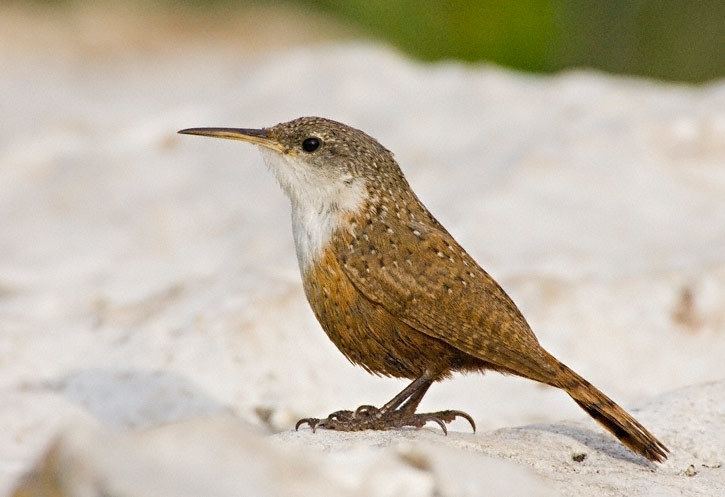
point(311, 144)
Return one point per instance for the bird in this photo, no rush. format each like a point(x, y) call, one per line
point(394, 291)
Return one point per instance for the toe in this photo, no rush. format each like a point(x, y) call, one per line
point(342, 415)
point(366, 411)
point(311, 422)
point(438, 421)
point(449, 416)
point(466, 416)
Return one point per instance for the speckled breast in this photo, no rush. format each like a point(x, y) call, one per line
point(366, 332)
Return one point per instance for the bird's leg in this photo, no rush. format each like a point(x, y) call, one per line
point(411, 404)
point(396, 413)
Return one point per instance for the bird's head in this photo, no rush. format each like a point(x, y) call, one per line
point(319, 163)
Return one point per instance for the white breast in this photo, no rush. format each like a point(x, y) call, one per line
point(321, 202)
point(312, 231)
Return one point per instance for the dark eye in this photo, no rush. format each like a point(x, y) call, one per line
point(311, 144)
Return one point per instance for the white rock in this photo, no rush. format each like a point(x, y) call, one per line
point(147, 277)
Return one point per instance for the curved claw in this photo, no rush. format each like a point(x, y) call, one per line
point(311, 422)
point(440, 423)
point(467, 417)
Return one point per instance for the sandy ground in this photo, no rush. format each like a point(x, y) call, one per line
point(148, 278)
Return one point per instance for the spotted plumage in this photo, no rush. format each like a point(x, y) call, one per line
point(394, 291)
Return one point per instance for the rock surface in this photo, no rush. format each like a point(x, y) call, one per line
point(148, 278)
point(220, 456)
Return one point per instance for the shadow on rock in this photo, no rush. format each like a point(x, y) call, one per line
point(137, 398)
point(600, 442)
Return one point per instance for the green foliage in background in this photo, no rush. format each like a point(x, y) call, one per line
point(678, 40)
point(668, 39)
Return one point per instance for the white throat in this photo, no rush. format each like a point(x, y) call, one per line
point(320, 203)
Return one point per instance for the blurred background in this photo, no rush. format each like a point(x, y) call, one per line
point(667, 39)
point(576, 149)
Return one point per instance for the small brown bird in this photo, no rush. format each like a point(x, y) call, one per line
point(394, 291)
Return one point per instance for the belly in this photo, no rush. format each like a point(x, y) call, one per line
point(370, 336)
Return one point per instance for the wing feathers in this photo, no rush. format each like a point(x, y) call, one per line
point(423, 277)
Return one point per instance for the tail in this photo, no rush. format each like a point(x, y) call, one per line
point(615, 419)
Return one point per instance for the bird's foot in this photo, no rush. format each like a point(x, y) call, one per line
point(372, 418)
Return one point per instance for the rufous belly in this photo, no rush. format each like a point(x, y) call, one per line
point(369, 335)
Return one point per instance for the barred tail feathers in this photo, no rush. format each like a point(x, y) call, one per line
point(616, 420)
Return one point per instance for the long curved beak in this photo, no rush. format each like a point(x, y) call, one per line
point(255, 136)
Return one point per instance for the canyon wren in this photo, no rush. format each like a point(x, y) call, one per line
point(393, 289)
